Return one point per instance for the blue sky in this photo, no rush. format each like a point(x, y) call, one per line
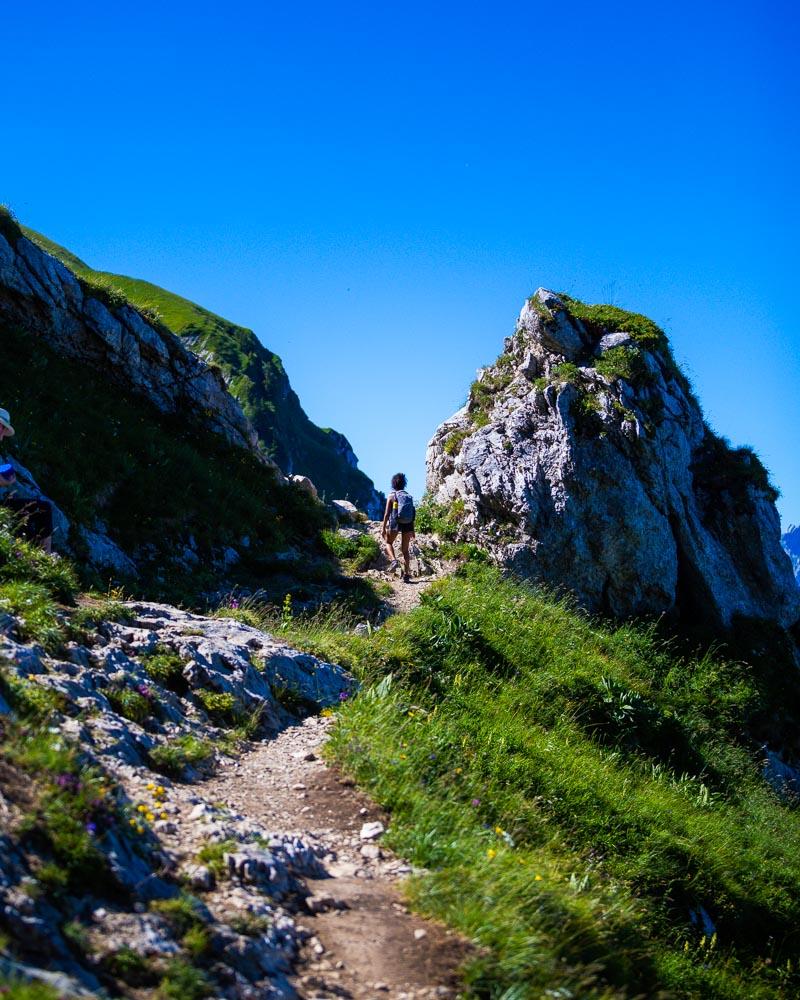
point(375, 190)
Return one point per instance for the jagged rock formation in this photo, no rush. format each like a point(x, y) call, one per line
point(791, 545)
point(40, 294)
point(582, 460)
point(254, 375)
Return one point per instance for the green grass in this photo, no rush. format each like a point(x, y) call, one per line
point(440, 519)
point(211, 855)
point(174, 757)
point(611, 319)
point(221, 706)
point(183, 981)
point(16, 989)
point(355, 554)
point(130, 703)
point(165, 667)
point(576, 791)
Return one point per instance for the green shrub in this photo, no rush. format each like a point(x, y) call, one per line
point(130, 704)
point(29, 699)
point(220, 705)
point(721, 468)
point(624, 362)
point(355, 553)
point(174, 757)
point(129, 967)
point(212, 853)
point(37, 614)
point(455, 439)
point(21, 560)
point(440, 519)
point(182, 913)
point(602, 319)
point(165, 667)
point(566, 373)
point(183, 981)
point(12, 988)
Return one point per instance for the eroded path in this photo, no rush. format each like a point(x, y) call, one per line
point(364, 943)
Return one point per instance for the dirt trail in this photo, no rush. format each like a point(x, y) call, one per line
point(364, 944)
point(424, 570)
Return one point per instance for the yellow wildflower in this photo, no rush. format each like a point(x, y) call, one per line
point(163, 815)
point(149, 817)
point(537, 878)
point(141, 809)
point(491, 853)
point(499, 831)
point(150, 786)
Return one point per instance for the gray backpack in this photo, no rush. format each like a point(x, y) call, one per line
point(405, 507)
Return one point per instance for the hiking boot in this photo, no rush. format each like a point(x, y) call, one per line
point(406, 578)
point(392, 566)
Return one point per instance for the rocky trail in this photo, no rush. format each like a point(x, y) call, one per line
point(290, 890)
point(425, 568)
point(360, 941)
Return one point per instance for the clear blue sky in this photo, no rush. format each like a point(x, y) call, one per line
point(375, 189)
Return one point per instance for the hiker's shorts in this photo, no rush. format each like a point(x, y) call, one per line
point(404, 529)
point(35, 517)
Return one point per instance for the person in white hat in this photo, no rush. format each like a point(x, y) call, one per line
point(36, 516)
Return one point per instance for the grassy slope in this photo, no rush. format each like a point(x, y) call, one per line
point(154, 480)
point(579, 793)
point(255, 376)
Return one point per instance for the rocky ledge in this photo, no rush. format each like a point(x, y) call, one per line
point(175, 885)
point(582, 460)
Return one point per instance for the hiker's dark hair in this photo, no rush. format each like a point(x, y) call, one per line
point(399, 481)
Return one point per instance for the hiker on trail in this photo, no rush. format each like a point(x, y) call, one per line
point(35, 515)
point(398, 519)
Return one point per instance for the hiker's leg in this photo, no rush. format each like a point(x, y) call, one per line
point(388, 541)
point(405, 541)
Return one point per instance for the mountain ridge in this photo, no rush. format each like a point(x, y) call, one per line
point(253, 374)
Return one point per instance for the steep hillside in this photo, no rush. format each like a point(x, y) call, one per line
point(791, 545)
point(582, 460)
point(152, 463)
point(598, 812)
point(255, 376)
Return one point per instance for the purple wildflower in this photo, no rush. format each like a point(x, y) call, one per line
point(234, 603)
point(144, 691)
point(91, 828)
point(476, 802)
point(343, 696)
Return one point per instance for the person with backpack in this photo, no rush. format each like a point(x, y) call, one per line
point(398, 519)
point(19, 494)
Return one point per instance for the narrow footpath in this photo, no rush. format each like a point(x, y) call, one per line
point(364, 944)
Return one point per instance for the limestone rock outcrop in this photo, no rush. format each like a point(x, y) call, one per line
point(582, 461)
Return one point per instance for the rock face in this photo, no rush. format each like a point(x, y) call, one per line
point(582, 461)
point(791, 545)
point(38, 293)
